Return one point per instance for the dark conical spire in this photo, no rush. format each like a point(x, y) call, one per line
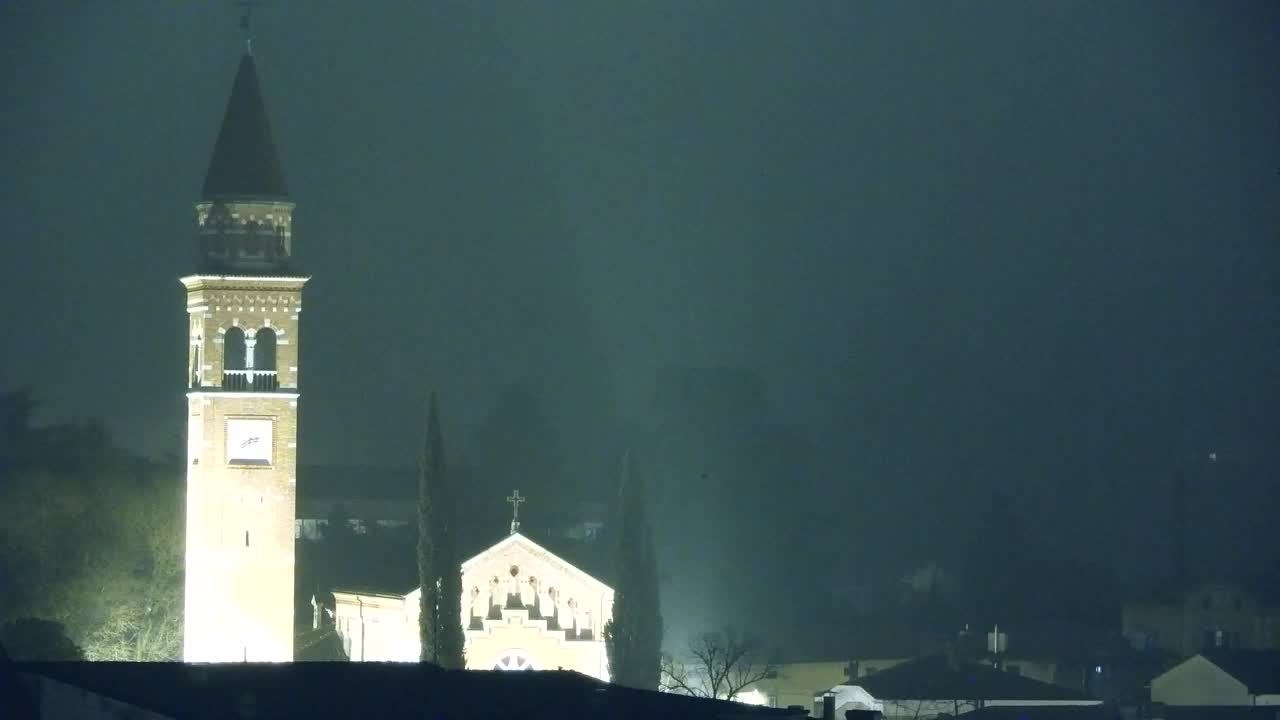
point(245, 163)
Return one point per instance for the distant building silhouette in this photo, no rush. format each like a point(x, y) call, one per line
point(1207, 616)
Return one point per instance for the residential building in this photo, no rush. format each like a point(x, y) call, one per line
point(1221, 678)
point(1215, 615)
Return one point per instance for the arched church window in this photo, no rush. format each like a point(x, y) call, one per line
point(264, 349)
point(233, 349)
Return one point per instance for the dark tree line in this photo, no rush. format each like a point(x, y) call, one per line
point(1010, 575)
point(90, 539)
point(515, 445)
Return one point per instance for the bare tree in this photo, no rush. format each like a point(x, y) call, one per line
point(103, 557)
point(717, 665)
point(142, 608)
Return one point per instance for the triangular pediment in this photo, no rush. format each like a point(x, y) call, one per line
point(517, 544)
point(520, 546)
point(524, 548)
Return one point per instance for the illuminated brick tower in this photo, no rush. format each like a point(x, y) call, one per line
point(242, 407)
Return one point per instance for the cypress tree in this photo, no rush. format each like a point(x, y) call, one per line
point(633, 638)
point(449, 640)
point(429, 473)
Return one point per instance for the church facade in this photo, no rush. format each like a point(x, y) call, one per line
point(523, 608)
point(242, 304)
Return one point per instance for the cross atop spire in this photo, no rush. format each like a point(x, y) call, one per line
point(515, 500)
point(246, 22)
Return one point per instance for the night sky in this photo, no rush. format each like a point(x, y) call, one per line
point(1001, 244)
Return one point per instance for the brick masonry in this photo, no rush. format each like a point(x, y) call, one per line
point(240, 517)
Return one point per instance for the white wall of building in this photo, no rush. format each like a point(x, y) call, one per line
point(1197, 681)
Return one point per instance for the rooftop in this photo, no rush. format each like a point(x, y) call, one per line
point(349, 690)
point(1039, 712)
point(245, 162)
point(936, 677)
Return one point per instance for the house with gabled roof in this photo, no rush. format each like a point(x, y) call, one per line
point(1221, 678)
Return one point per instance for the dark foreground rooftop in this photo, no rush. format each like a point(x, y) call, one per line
point(368, 690)
point(1040, 712)
point(935, 677)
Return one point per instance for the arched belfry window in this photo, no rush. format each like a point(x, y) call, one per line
point(213, 233)
point(252, 238)
point(233, 349)
point(264, 349)
point(279, 250)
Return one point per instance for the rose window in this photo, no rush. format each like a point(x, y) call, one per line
point(513, 660)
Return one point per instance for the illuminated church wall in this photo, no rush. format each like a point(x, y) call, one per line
point(523, 607)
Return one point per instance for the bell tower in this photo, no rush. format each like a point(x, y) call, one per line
point(243, 304)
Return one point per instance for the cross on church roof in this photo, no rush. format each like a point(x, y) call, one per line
point(515, 500)
point(246, 22)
